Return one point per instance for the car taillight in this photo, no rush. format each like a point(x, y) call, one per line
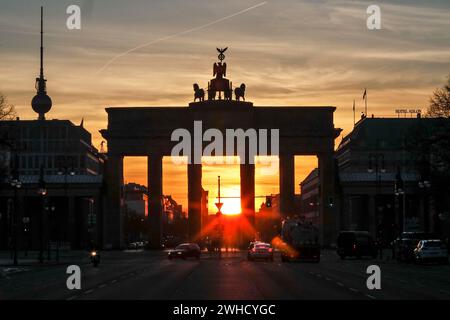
point(253, 250)
point(270, 249)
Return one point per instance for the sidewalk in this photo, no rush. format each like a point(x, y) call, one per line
point(32, 258)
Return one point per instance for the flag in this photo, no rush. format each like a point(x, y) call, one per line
point(365, 94)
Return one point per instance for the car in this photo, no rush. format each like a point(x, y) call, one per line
point(356, 244)
point(132, 246)
point(406, 243)
point(260, 250)
point(431, 250)
point(184, 251)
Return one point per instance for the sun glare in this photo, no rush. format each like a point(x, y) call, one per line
point(231, 206)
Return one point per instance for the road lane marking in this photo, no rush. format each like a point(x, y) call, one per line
point(328, 279)
point(369, 296)
point(114, 281)
point(340, 284)
point(102, 285)
point(88, 291)
point(319, 275)
point(353, 289)
point(72, 298)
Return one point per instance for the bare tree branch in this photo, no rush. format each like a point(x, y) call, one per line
point(7, 110)
point(440, 102)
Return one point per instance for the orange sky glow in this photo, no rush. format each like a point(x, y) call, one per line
point(287, 52)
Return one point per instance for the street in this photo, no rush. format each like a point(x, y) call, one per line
point(150, 275)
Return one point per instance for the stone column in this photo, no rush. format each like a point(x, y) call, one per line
point(287, 184)
point(247, 172)
point(155, 198)
point(113, 222)
point(328, 220)
point(194, 200)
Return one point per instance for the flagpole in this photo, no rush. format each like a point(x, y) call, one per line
point(366, 101)
point(354, 121)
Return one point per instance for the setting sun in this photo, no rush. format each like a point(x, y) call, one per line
point(230, 206)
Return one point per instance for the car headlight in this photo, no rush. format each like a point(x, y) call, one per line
point(179, 252)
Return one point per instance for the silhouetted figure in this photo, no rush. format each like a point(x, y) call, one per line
point(240, 92)
point(198, 93)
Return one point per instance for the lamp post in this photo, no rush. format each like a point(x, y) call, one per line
point(425, 186)
point(42, 191)
point(376, 158)
point(400, 191)
point(219, 217)
point(50, 212)
point(66, 172)
point(16, 184)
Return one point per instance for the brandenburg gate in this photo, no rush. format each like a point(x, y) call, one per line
point(147, 131)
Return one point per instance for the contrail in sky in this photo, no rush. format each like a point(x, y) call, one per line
point(178, 34)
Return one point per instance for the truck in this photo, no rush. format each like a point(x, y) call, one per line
point(300, 241)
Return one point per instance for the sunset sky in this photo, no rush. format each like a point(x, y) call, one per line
point(287, 52)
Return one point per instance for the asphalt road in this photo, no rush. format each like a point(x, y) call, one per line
point(150, 275)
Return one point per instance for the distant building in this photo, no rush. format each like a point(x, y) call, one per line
point(135, 198)
point(383, 186)
point(309, 197)
point(58, 146)
point(172, 210)
point(59, 157)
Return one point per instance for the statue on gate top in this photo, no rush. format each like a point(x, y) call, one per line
point(219, 68)
point(220, 84)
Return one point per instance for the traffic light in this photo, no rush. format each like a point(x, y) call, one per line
point(268, 201)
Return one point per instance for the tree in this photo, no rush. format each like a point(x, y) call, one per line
point(7, 110)
point(440, 102)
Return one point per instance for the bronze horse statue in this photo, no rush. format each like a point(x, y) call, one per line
point(198, 93)
point(240, 92)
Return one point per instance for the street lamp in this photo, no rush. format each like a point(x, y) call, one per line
point(50, 212)
point(219, 217)
point(400, 191)
point(42, 191)
point(66, 172)
point(16, 184)
point(425, 185)
point(378, 158)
